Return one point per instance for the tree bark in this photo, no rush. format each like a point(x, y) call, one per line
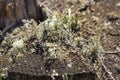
point(12, 11)
point(2, 13)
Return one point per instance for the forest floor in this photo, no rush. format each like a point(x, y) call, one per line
point(96, 43)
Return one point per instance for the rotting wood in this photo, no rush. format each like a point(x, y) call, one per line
point(25, 70)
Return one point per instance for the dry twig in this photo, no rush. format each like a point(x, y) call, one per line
point(43, 4)
point(110, 52)
point(101, 61)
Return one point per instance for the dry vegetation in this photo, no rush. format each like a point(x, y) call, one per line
point(74, 29)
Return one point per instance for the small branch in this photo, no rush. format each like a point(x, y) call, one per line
point(110, 52)
point(101, 61)
point(43, 4)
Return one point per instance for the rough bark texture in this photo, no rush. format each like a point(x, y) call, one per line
point(76, 76)
point(33, 67)
point(2, 13)
point(12, 11)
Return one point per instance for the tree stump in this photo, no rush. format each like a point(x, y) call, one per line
point(33, 67)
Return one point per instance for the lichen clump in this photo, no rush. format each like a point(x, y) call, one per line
point(50, 37)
